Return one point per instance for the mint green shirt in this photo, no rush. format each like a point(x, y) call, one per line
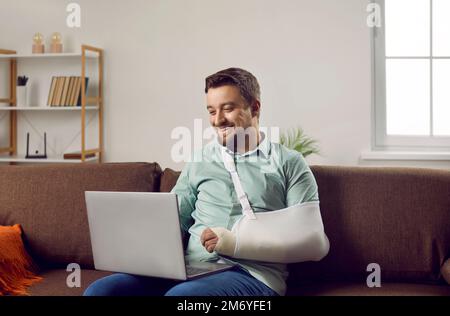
point(273, 176)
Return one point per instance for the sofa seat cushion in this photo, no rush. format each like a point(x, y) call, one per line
point(361, 289)
point(54, 282)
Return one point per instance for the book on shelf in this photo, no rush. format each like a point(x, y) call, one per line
point(60, 91)
point(85, 89)
point(66, 91)
point(77, 155)
point(71, 90)
point(51, 91)
point(62, 101)
point(56, 91)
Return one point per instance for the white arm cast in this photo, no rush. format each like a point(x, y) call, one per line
point(227, 241)
point(293, 234)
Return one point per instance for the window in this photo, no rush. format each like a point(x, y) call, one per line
point(412, 75)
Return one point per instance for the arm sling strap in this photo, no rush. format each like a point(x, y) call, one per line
point(292, 234)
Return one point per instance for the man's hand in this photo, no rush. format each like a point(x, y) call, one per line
point(209, 239)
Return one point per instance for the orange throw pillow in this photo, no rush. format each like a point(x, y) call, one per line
point(16, 266)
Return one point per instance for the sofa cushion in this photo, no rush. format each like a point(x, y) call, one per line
point(48, 202)
point(395, 217)
point(169, 178)
point(55, 282)
point(361, 289)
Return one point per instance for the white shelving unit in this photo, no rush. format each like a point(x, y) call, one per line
point(8, 104)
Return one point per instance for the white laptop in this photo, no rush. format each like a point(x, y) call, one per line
point(139, 233)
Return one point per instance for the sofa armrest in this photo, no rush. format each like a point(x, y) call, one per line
point(445, 271)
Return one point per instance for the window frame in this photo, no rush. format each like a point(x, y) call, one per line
point(380, 139)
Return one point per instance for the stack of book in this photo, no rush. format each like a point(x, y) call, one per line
point(65, 91)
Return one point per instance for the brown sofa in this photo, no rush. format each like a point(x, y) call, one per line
point(396, 217)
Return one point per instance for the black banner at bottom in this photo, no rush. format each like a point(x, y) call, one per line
point(223, 305)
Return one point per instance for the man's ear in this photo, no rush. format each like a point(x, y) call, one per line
point(256, 106)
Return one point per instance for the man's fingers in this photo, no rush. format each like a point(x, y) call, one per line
point(203, 237)
point(207, 234)
point(210, 244)
point(209, 239)
point(211, 247)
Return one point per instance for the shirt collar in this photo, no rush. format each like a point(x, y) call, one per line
point(263, 147)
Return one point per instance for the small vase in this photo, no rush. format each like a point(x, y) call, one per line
point(21, 96)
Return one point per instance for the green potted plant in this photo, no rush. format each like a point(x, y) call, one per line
point(296, 139)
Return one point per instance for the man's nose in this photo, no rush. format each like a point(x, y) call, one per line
point(219, 119)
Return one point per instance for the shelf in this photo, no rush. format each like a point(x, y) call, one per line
point(46, 108)
point(48, 55)
point(48, 160)
point(84, 56)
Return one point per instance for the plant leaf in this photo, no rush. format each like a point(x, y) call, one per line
point(297, 140)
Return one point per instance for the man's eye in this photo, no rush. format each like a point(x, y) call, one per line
point(228, 109)
point(212, 113)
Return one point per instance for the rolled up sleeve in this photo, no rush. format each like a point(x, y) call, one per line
point(301, 184)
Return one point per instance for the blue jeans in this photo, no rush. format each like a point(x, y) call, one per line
point(235, 282)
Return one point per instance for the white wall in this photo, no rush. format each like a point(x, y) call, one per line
point(312, 58)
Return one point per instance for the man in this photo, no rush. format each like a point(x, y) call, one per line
point(276, 179)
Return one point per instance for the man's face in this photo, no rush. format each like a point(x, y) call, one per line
point(228, 110)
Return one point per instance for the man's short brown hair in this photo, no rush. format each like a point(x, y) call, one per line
point(242, 79)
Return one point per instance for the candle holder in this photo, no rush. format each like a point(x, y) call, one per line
point(38, 46)
point(56, 45)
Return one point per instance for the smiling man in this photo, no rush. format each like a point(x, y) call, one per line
point(234, 108)
point(275, 178)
